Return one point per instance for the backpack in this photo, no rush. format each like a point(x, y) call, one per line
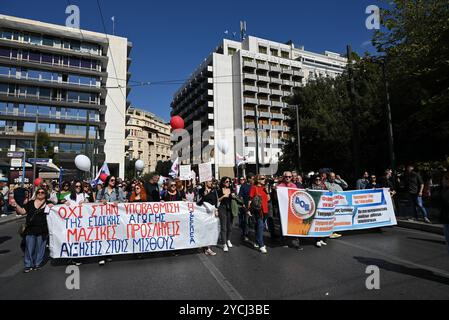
point(256, 203)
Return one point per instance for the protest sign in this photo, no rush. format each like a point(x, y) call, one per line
point(185, 172)
point(205, 171)
point(312, 213)
point(95, 229)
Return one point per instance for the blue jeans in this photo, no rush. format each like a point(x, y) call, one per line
point(34, 251)
point(446, 234)
point(417, 202)
point(260, 226)
point(243, 222)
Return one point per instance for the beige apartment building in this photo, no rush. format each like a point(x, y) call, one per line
point(147, 138)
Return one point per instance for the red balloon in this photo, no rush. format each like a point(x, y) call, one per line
point(177, 122)
point(38, 182)
point(103, 177)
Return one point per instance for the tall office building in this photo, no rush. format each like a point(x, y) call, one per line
point(235, 85)
point(147, 138)
point(74, 80)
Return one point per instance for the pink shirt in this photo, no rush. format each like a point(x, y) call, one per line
point(288, 185)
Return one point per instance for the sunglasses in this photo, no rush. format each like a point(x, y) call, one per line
point(112, 180)
point(288, 177)
point(40, 192)
point(262, 178)
point(173, 185)
point(137, 188)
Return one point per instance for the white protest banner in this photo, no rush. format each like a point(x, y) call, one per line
point(184, 172)
point(95, 229)
point(205, 171)
point(312, 213)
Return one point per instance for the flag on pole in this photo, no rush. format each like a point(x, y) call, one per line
point(104, 169)
point(174, 168)
point(240, 160)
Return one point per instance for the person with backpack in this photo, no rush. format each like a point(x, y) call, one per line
point(259, 197)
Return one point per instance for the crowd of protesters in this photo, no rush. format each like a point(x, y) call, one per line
point(250, 202)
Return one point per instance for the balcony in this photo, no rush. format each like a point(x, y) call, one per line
point(298, 73)
point(249, 88)
point(263, 78)
point(275, 92)
point(264, 102)
point(250, 125)
point(264, 115)
point(277, 116)
point(287, 83)
point(275, 69)
point(251, 76)
point(249, 64)
point(276, 80)
point(265, 126)
point(249, 113)
point(250, 139)
point(287, 71)
point(250, 100)
point(297, 84)
point(277, 128)
point(264, 90)
point(263, 66)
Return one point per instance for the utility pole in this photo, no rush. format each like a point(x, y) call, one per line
point(86, 145)
point(388, 117)
point(298, 138)
point(35, 147)
point(257, 139)
point(355, 116)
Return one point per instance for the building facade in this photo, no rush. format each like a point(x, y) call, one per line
point(147, 138)
point(242, 84)
point(74, 81)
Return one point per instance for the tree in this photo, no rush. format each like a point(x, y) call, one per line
point(415, 41)
point(45, 148)
point(163, 168)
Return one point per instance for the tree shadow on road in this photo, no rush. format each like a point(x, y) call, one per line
point(429, 240)
point(4, 239)
point(4, 251)
point(394, 267)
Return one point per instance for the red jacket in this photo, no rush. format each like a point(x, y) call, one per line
point(260, 191)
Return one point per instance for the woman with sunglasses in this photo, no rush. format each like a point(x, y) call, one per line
point(260, 214)
point(36, 231)
point(173, 194)
point(225, 195)
point(110, 192)
point(77, 196)
point(139, 194)
point(209, 195)
point(64, 192)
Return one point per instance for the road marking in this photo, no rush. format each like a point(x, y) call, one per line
point(15, 269)
point(437, 271)
point(221, 279)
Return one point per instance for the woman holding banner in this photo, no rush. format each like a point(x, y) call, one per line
point(258, 204)
point(173, 194)
point(209, 195)
point(35, 230)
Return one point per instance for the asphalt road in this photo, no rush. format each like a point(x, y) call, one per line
point(413, 265)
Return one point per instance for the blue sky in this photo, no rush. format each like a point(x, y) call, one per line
point(171, 38)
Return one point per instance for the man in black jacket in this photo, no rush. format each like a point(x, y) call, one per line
point(244, 194)
point(152, 188)
point(415, 185)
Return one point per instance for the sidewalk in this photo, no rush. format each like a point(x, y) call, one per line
point(11, 217)
point(422, 226)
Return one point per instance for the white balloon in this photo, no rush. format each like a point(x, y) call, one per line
point(223, 146)
point(82, 162)
point(139, 165)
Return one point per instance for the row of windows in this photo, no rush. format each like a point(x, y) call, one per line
point(48, 94)
point(50, 59)
point(49, 41)
point(7, 108)
point(68, 147)
point(51, 128)
point(274, 52)
point(22, 73)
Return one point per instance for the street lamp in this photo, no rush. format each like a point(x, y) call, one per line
point(382, 61)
